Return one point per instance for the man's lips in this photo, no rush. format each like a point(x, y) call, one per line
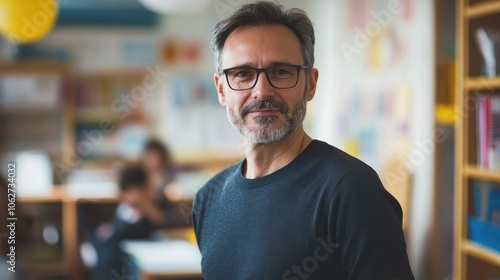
point(264, 112)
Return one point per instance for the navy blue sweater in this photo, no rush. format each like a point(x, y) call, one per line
point(325, 215)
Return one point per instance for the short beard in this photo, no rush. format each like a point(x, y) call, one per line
point(267, 132)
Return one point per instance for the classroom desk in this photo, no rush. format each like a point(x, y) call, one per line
point(70, 265)
point(165, 259)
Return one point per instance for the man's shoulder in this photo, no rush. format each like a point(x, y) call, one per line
point(340, 171)
point(332, 158)
point(218, 181)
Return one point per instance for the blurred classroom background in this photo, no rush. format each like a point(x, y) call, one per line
point(410, 87)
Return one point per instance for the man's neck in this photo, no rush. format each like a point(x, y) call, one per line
point(264, 159)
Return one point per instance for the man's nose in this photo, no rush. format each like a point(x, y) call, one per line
point(262, 90)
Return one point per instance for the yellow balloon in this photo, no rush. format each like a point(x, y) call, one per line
point(27, 21)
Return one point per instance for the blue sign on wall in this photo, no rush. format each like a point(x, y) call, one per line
point(105, 12)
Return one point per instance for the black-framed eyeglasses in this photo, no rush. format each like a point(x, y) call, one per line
point(280, 76)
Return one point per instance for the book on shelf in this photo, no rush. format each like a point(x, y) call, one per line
point(99, 93)
point(488, 41)
point(488, 132)
point(30, 91)
point(488, 156)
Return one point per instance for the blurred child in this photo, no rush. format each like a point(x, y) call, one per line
point(160, 168)
point(144, 206)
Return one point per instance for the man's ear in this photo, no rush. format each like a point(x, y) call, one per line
point(313, 81)
point(219, 85)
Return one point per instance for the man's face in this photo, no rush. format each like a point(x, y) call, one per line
point(264, 114)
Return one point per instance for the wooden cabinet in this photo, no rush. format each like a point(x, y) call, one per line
point(472, 261)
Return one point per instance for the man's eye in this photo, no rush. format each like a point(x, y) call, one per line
point(242, 73)
point(282, 71)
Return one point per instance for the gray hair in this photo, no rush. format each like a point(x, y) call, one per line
point(260, 13)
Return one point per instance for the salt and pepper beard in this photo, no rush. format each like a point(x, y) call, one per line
point(266, 132)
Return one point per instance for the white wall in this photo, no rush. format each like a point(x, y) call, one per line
point(331, 19)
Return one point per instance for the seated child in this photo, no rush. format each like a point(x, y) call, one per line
point(136, 217)
point(146, 203)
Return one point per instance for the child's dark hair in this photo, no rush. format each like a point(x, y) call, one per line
point(162, 150)
point(132, 176)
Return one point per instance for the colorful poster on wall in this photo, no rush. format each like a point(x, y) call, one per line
point(375, 118)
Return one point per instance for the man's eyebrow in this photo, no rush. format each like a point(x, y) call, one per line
point(277, 63)
point(243, 65)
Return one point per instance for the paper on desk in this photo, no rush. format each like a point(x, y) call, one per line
point(164, 256)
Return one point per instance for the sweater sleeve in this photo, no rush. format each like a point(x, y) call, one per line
point(196, 212)
point(368, 228)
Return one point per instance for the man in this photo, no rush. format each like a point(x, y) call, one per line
point(294, 208)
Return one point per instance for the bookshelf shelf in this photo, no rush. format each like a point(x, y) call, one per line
point(37, 66)
point(482, 9)
point(124, 73)
point(482, 174)
point(96, 114)
point(47, 269)
point(482, 253)
point(482, 83)
point(102, 200)
point(30, 111)
point(486, 262)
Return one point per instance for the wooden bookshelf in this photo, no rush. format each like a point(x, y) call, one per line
point(471, 261)
point(29, 116)
point(49, 129)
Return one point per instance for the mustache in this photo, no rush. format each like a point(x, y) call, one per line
point(264, 104)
